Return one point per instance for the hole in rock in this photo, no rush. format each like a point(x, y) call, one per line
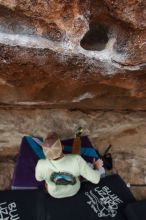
point(96, 38)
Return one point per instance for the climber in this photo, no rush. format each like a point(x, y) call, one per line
point(62, 172)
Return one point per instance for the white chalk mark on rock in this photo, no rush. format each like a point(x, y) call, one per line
point(84, 96)
point(69, 48)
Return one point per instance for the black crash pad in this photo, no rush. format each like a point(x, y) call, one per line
point(104, 201)
point(136, 210)
point(22, 205)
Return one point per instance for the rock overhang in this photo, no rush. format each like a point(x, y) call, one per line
point(45, 59)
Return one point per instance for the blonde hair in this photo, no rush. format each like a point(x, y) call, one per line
point(52, 146)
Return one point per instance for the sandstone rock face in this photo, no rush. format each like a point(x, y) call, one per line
point(132, 12)
point(86, 56)
point(73, 54)
point(6, 173)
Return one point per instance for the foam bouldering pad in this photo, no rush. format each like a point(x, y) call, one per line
point(87, 151)
point(24, 172)
point(106, 201)
point(24, 205)
point(136, 210)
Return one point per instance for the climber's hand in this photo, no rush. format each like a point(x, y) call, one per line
point(97, 164)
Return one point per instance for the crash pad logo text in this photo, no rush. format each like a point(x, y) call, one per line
point(103, 202)
point(8, 211)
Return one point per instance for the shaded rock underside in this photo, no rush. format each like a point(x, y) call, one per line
point(73, 54)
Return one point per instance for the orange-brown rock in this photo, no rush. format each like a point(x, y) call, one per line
point(132, 12)
point(73, 54)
